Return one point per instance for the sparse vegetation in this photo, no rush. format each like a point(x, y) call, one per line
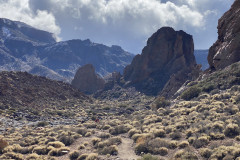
point(206, 126)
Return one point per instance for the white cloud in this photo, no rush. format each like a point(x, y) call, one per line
point(124, 22)
point(21, 11)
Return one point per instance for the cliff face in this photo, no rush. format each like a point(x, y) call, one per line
point(86, 80)
point(167, 53)
point(226, 50)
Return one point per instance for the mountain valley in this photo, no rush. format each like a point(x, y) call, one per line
point(80, 100)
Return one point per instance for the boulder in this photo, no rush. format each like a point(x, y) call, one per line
point(86, 80)
point(168, 53)
point(226, 50)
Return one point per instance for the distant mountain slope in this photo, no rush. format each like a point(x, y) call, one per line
point(22, 92)
point(24, 48)
point(201, 58)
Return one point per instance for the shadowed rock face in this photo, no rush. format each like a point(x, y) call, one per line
point(226, 50)
point(168, 52)
point(86, 80)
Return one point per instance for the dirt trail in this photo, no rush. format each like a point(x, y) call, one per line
point(75, 145)
point(126, 150)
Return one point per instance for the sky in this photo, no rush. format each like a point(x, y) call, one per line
point(127, 23)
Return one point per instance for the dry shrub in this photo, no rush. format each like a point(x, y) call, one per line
point(133, 131)
point(82, 156)
point(149, 157)
point(32, 156)
point(163, 151)
point(173, 144)
point(205, 152)
point(3, 144)
point(56, 144)
point(81, 147)
point(95, 141)
point(217, 136)
point(74, 155)
point(232, 130)
point(112, 150)
point(183, 144)
point(104, 135)
point(12, 155)
point(59, 151)
point(92, 156)
point(40, 150)
point(200, 142)
point(176, 135)
point(106, 127)
point(82, 131)
point(119, 129)
point(135, 137)
point(160, 133)
point(90, 125)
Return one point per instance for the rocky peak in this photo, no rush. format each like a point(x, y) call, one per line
point(226, 50)
point(14, 30)
point(167, 53)
point(86, 80)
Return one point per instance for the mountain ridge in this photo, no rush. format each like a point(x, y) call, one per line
point(24, 48)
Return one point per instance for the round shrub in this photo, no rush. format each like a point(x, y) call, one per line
point(141, 148)
point(183, 144)
point(176, 135)
point(67, 140)
point(232, 130)
point(191, 93)
point(112, 150)
point(200, 142)
point(163, 151)
point(160, 133)
point(82, 157)
point(161, 102)
point(173, 145)
point(74, 155)
point(205, 152)
point(92, 156)
point(40, 150)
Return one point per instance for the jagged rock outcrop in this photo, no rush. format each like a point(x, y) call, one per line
point(168, 54)
point(226, 50)
point(86, 80)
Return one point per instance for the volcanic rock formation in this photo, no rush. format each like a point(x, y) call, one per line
point(226, 50)
point(168, 54)
point(86, 80)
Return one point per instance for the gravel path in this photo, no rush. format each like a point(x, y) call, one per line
point(126, 150)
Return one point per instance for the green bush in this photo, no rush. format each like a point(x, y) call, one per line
point(161, 102)
point(191, 93)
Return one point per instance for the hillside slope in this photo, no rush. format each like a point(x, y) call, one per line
point(33, 97)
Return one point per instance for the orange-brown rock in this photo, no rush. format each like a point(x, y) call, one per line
point(226, 50)
point(86, 80)
point(168, 52)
